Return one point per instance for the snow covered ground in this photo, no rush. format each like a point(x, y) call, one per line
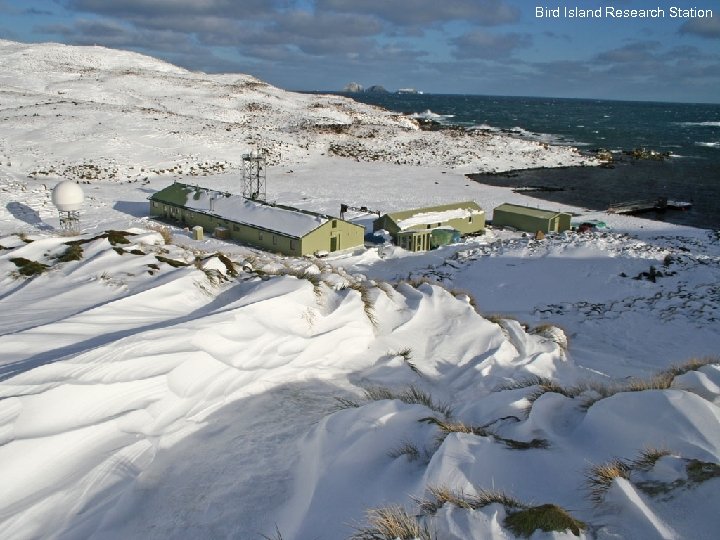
point(188, 389)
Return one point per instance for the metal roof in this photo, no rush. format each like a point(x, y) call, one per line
point(284, 220)
point(435, 214)
point(528, 211)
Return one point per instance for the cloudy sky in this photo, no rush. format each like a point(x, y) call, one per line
point(495, 47)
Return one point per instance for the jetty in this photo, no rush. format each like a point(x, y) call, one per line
point(647, 205)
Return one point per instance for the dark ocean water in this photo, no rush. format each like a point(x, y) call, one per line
point(689, 132)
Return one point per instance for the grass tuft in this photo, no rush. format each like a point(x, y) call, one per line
point(346, 403)
point(690, 365)
point(441, 495)
point(405, 449)
point(701, 471)
point(171, 262)
point(547, 517)
point(391, 523)
point(276, 536)
point(229, 266)
point(599, 478)
point(28, 268)
point(458, 427)
point(73, 252)
point(165, 232)
point(648, 458)
point(368, 305)
point(406, 355)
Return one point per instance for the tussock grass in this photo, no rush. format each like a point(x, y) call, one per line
point(593, 391)
point(27, 267)
point(599, 478)
point(458, 427)
point(701, 471)
point(522, 519)
point(392, 523)
point(368, 305)
point(648, 458)
point(441, 495)
point(406, 448)
point(417, 282)
point(692, 364)
point(172, 262)
point(411, 395)
point(229, 265)
point(406, 354)
point(546, 517)
point(462, 292)
point(345, 403)
point(74, 252)
point(165, 232)
point(116, 237)
point(276, 536)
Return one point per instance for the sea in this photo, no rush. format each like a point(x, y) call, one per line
point(689, 133)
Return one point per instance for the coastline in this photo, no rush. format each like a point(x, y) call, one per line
point(595, 188)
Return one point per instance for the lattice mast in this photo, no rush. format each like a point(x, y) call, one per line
point(254, 174)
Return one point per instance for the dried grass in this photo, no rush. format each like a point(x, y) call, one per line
point(441, 495)
point(599, 478)
point(392, 523)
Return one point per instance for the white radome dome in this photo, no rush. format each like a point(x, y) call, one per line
point(67, 196)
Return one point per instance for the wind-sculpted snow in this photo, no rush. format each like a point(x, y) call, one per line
point(177, 407)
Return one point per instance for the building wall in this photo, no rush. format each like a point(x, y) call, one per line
point(387, 223)
point(470, 225)
point(520, 221)
point(346, 235)
point(335, 235)
point(414, 240)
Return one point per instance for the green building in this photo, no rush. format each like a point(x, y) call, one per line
point(426, 228)
point(524, 218)
point(271, 227)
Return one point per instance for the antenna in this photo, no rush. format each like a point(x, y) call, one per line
point(254, 167)
point(68, 197)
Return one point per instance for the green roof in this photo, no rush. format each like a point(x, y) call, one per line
point(528, 211)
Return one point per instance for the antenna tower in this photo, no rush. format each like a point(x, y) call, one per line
point(254, 175)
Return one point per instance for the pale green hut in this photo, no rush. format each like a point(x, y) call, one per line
point(425, 228)
point(525, 218)
point(271, 227)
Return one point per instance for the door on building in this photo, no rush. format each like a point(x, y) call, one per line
point(334, 243)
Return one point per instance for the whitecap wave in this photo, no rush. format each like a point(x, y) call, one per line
point(715, 144)
point(429, 115)
point(704, 124)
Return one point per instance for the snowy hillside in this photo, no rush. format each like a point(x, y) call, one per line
point(88, 112)
point(156, 386)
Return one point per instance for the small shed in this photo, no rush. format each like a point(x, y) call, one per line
point(525, 218)
point(425, 228)
point(272, 227)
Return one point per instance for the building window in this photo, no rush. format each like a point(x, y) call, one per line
point(236, 227)
point(260, 235)
point(428, 226)
point(470, 219)
point(293, 244)
point(334, 223)
point(274, 240)
point(155, 204)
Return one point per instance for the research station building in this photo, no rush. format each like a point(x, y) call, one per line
point(271, 227)
point(426, 228)
point(525, 218)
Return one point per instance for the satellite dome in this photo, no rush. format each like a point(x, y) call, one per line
point(67, 196)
